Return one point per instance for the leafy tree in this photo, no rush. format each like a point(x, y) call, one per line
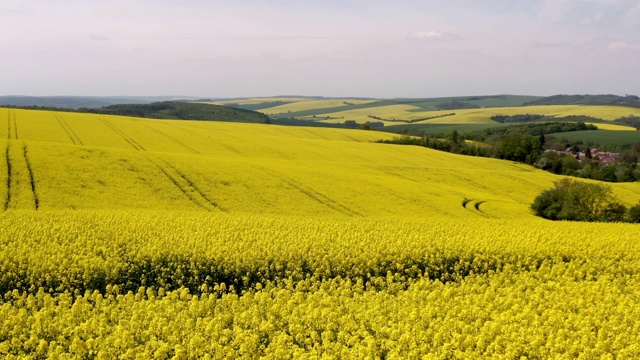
point(614, 212)
point(454, 137)
point(633, 214)
point(608, 173)
point(522, 148)
point(578, 201)
point(628, 174)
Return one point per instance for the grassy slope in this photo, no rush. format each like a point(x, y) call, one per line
point(89, 161)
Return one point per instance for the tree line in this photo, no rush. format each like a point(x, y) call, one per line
point(527, 143)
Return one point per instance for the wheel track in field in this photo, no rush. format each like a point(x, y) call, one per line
point(476, 206)
point(465, 202)
point(11, 118)
point(72, 135)
point(180, 180)
point(173, 139)
point(228, 147)
point(316, 134)
point(185, 185)
point(8, 198)
point(32, 181)
point(124, 136)
point(15, 124)
point(10, 177)
point(313, 194)
point(8, 125)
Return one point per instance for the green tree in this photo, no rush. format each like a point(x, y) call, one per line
point(608, 173)
point(628, 174)
point(454, 137)
point(633, 214)
point(522, 148)
point(578, 201)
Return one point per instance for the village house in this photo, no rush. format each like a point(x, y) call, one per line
point(604, 158)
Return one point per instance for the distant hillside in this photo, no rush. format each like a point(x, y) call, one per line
point(273, 106)
point(76, 102)
point(608, 99)
point(183, 111)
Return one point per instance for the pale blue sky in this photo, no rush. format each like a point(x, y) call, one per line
point(329, 48)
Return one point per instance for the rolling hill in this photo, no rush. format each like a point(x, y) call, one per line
point(75, 102)
point(138, 238)
point(192, 165)
point(431, 115)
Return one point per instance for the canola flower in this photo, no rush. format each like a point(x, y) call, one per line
point(147, 239)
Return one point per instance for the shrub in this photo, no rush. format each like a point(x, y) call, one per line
point(578, 201)
point(633, 215)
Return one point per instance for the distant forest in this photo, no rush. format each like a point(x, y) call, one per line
point(178, 110)
point(183, 111)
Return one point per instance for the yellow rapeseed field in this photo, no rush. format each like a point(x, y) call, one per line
point(313, 104)
point(258, 100)
point(474, 116)
point(613, 127)
point(151, 239)
point(484, 115)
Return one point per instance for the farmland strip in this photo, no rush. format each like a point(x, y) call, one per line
point(36, 201)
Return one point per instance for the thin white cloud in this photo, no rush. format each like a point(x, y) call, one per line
point(619, 45)
point(550, 44)
point(431, 35)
